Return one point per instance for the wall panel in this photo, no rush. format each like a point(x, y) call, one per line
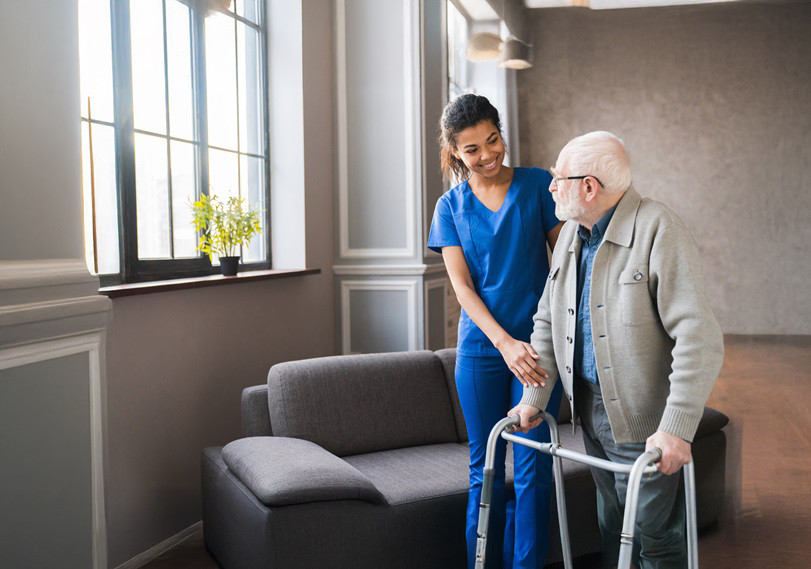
point(714, 104)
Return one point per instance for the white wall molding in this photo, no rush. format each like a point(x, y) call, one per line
point(388, 270)
point(91, 344)
point(429, 286)
point(24, 282)
point(43, 300)
point(411, 115)
point(409, 287)
point(154, 552)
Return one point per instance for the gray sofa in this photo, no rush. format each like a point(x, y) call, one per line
point(361, 462)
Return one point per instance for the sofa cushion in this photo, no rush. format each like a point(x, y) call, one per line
point(425, 472)
point(418, 473)
point(362, 403)
point(282, 471)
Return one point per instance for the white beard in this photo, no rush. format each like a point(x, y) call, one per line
point(575, 209)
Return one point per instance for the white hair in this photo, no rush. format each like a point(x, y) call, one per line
point(602, 155)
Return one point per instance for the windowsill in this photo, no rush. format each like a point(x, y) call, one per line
point(201, 282)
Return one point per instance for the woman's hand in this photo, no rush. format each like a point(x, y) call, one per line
point(520, 358)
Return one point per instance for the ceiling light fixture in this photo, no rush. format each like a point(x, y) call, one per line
point(483, 46)
point(515, 54)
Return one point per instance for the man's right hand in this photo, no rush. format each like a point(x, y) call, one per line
point(526, 412)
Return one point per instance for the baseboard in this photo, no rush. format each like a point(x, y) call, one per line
point(153, 552)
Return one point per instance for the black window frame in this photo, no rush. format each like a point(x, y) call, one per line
point(131, 268)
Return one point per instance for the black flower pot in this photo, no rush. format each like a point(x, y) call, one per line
point(229, 266)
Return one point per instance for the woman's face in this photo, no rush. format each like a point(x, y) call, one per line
point(481, 149)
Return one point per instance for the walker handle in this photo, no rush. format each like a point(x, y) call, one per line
point(516, 420)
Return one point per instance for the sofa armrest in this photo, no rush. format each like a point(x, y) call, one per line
point(254, 412)
point(281, 471)
point(711, 422)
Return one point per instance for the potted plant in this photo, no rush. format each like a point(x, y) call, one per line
point(224, 227)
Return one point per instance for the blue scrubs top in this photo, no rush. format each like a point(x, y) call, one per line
point(505, 251)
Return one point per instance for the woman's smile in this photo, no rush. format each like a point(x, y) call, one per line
point(490, 166)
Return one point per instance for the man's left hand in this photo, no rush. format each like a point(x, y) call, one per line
point(675, 451)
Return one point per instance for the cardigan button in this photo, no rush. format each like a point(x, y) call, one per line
point(638, 276)
point(568, 369)
point(571, 311)
point(569, 339)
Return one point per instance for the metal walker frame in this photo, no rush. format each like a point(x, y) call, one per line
point(643, 465)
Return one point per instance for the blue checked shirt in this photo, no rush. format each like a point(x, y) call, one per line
point(584, 364)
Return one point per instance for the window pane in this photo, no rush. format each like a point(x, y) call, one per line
point(184, 184)
point(221, 81)
point(250, 91)
point(252, 177)
point(152, 197)
point(248, 9)
point(104, 183)
point(457, 47)
point(148, 81)
point(95, 57)
point(223, 175)
point(178, 42)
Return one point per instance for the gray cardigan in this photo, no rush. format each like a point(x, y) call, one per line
point(657, 344)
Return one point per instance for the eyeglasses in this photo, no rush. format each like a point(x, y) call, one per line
point(561, 178)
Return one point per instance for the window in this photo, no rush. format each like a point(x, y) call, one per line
point(457, 48)
point(173, 105)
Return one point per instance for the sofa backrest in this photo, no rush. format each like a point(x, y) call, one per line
point(448, 359)
point(362, 403)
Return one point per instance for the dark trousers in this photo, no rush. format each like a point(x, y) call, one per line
point(659, 535)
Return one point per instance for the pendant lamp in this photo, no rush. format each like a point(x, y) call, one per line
point(483, 46)
point(515, 54)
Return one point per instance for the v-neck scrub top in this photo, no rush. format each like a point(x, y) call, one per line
point(505, 251)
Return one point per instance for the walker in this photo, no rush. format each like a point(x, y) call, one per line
point(644, 464)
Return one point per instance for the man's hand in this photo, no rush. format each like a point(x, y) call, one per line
point(525, 412)
point(675, 451)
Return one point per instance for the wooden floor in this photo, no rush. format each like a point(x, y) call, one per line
point(765, 388)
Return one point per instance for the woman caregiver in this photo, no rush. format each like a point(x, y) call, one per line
point(492, 231)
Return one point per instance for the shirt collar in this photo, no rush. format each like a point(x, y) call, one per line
point(598, 229)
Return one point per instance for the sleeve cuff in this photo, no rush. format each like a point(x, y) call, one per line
point(537, 396)
point(679, 423)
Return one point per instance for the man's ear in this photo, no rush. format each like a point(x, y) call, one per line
point(592, 189)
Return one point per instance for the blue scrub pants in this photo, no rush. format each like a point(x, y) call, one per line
point(487, 390)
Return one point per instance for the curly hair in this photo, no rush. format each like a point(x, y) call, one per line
point(463, 112)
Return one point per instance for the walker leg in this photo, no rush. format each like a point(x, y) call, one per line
point(560, 494)
point(631, 504)
point(487, 488)
point(484, 517)
point(692, 525)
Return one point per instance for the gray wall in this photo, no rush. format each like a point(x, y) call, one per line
point(39, 124)
point(176, 365)
point(46, 517)
point(714, 103)
point(177, 361)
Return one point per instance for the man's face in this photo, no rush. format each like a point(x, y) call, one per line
point(569, 202)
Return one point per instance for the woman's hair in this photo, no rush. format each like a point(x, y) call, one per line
point(463, 112)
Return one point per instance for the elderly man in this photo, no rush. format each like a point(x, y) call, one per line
point(625, 324)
